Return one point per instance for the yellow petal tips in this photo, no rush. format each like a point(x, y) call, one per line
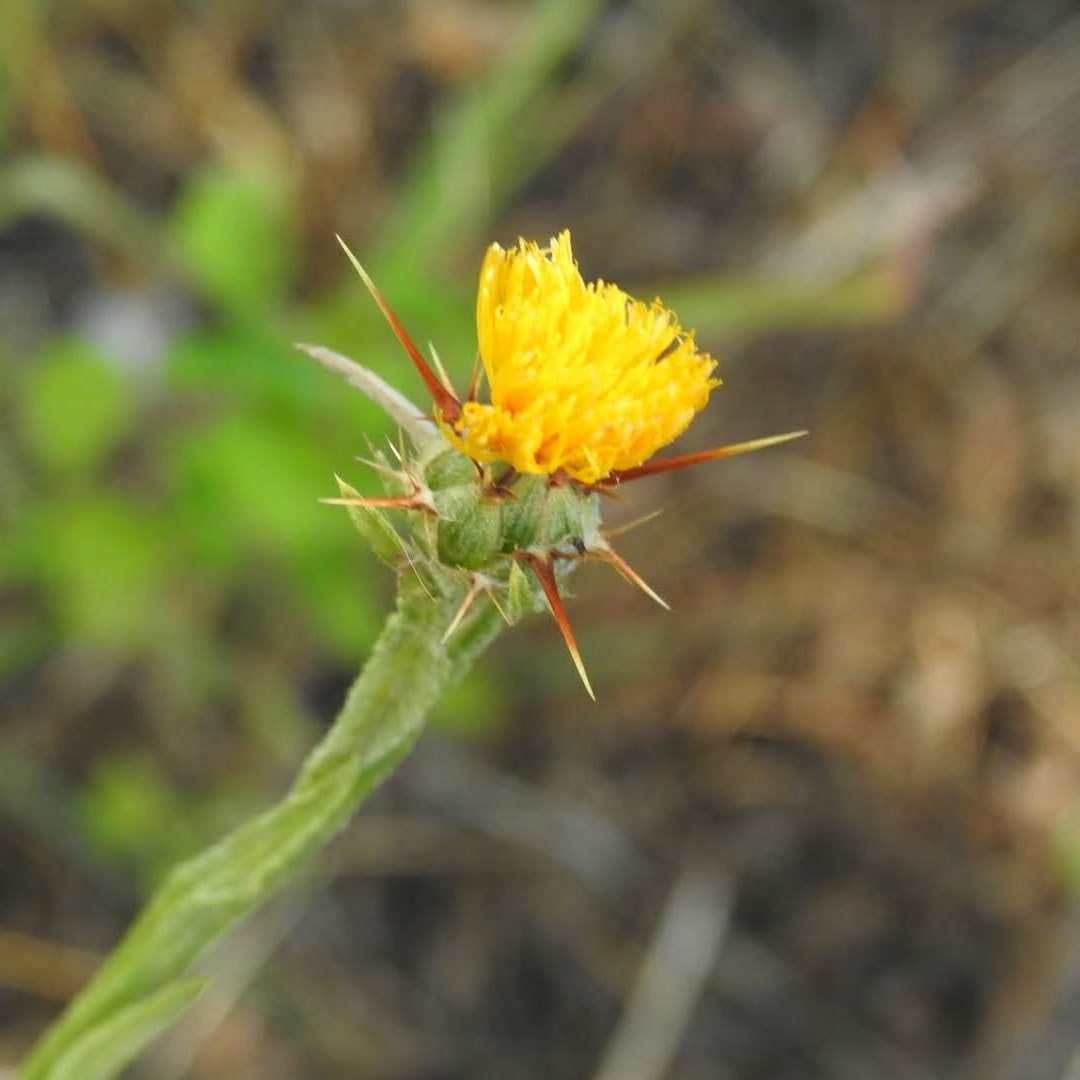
point(583, 378)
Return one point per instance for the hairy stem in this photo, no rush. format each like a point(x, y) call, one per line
point(203, 897)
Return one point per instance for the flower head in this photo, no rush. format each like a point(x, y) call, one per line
point(583, 378)
point(586, 383)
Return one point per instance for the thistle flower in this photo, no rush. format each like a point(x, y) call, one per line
point(584, 379)
point(585, 385)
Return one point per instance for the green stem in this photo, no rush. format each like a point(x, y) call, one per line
point(380, 722)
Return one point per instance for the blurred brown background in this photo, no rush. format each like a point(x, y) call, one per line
point(822, 822)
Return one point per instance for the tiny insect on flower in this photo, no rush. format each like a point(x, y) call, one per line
point(585, 385)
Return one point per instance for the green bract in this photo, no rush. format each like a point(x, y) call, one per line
point(478, 521)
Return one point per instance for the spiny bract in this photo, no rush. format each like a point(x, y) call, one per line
point(586, 384)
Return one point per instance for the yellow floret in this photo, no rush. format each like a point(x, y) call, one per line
point(582, 377)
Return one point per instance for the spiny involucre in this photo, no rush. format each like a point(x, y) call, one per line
point(585, 385)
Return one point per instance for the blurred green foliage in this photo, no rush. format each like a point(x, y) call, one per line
point(75, 408)
point(165, 571)
point(179, 617)
point(250, 270)
point(161, 548)
point(163, 527)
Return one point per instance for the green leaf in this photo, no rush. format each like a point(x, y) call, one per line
point(373, 526)
point(234, 237)
point(521, 597)
point(74, 408)
point(247, 364)
point(113, 1043)
point(243, 479)
point(127, 807)
point(104, 563)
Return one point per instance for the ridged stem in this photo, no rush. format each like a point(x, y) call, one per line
point(139, 989)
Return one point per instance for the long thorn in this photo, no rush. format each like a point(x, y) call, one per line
point(498, 607)
point(400, 502)
point(384, 470)
point(474, 379)
point(445, 400)
point(396, 450)
point(474, 590)
point(440, 371)
point(607, 488)
point(545, 574)
point(621, 530)
point(609, 555)
point(419, 577)
point(651, 468)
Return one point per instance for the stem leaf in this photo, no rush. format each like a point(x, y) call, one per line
point(129, 999)
point(104, 1050)
point(372, 525)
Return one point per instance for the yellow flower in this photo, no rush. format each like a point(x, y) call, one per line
point(583, 378)
point(586, 382)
